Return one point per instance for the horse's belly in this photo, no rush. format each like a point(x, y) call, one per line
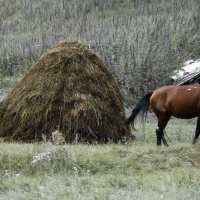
point(185, 116)
point(185, 113)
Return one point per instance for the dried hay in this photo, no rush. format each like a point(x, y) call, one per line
point(69, 89)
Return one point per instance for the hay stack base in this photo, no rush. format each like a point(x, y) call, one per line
point(69, 89)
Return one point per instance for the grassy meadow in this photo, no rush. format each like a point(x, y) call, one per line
point(135, 170)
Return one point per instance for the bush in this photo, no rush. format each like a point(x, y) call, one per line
point(140, 41)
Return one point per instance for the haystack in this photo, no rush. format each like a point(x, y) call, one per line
point(69, 89)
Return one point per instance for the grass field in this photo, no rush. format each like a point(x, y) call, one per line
point(136, 170)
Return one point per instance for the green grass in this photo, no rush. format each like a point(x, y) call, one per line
point(136, 170)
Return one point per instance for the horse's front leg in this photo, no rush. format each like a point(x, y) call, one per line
point(197, 132)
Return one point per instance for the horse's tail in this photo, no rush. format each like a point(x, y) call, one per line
point(142, 106)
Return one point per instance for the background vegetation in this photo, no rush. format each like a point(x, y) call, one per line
point(141, 41)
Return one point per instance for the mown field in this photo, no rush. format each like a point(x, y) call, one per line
point(135, 170)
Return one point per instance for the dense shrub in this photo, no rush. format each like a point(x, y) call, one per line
point(141, 41)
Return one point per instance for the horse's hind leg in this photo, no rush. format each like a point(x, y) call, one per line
point(162, 123)
point(197, 132)
point(161, 137)
point(159, 134)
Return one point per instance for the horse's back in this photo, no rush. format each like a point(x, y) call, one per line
point(179, 101)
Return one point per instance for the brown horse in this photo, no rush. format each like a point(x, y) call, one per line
point(178, 101)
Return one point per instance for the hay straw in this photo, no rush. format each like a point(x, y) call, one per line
point(68, 89)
